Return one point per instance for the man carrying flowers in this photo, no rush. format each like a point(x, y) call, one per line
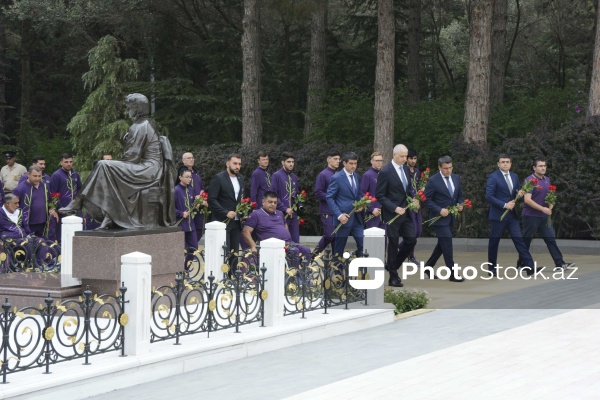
point(342, 194)
point(537, 211)
point(285, 183)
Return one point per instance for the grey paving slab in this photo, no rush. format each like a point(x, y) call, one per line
point(300, 368)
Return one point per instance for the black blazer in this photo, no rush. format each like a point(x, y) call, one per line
point(221, 195)
point(391, 193)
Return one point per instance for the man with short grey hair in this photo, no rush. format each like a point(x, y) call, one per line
point(392, 190)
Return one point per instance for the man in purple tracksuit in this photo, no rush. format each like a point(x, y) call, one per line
point(285, 183)
point(368, 184)
point(260, 181)
point(66, 182)
point(34, 198)
point(40, 161)
point(321, 185)
point(414, 179)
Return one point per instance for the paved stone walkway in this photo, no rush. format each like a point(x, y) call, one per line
point(488, 339)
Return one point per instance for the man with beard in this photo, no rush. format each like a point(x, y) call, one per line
point(285, 183)
point(66, 182)
point(225, 193)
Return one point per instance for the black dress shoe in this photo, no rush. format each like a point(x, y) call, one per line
point(413, 260)
point(429, 275)
point(396, 282)
point(456, 279)
point(530, 270)
point(492, 272)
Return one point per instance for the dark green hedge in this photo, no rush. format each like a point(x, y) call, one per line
point(571, 153)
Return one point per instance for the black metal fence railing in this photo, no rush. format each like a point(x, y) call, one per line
point(320, 284)
point(190, 307)
point(194, 264)
point(29, 254)
point(62, 331)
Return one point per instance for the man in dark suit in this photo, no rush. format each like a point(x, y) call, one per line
point(500, 191)
point(225, 192)
point(343, 191)
point(392, 190)
point(443, 190)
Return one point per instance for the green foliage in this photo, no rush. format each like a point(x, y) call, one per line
point(523, 112)
point(99, 125)
point(406, 300)
point(347, 117)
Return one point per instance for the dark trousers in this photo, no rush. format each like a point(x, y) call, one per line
point(233, 231)
point(443, 246)
point(191, 240)
point(497, 228)
point(38, 229)
point(199, 224)
point(356, 230)
point(328, 236)
point(539, 225)
point(417, 220)
point(395, 255)
point(293, 227)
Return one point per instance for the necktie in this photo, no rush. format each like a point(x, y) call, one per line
point(403, 178)
point(352, 183)
point(508, 182)
point(449, 186)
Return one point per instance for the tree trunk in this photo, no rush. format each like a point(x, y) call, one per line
point(26, 44)
point(414, 48)
point(594, 100)
point(477, 102)
point(3, 77)
point(498, 51)
point(384, 79)
point(251, 106)
point(318, 62)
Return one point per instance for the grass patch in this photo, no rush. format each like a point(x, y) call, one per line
point(406, 300)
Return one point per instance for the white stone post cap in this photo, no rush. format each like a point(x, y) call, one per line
point(136, 258)
point(72, 219)
point(272, 243)
point(374, 232)
point(215, 225)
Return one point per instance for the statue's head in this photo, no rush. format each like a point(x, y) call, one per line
point(138, 105)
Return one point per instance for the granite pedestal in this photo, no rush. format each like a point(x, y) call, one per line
point(30, 289)
point(97, 255)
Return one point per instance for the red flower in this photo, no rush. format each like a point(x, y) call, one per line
point(301, 222)
point(253, 204)
point(55, 195)
point(285, 248)
point(539, 187)
point(373, 199)
point(367, 194)
point(534, 180)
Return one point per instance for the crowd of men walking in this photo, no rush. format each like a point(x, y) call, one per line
point(394, 206)
point(31, 198)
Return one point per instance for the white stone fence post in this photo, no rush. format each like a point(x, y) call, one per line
point(70, 225)
point(374, 244)
point(136, 274)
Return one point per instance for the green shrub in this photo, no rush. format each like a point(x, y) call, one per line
point(406, 300)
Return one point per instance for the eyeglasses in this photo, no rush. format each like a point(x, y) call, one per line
point(377, 160)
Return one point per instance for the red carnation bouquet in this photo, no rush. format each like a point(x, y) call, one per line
point(527, 187)
point(551, 201)
point(201, 205)
point(358, 204)
point(453, 210)
point(299, 200)
point(54, 199)
point(243, 209)
point(423, 178)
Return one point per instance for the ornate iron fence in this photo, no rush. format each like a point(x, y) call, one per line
point(29, 254)
point(319, 284)
point(194, 306)
point(61, 331)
